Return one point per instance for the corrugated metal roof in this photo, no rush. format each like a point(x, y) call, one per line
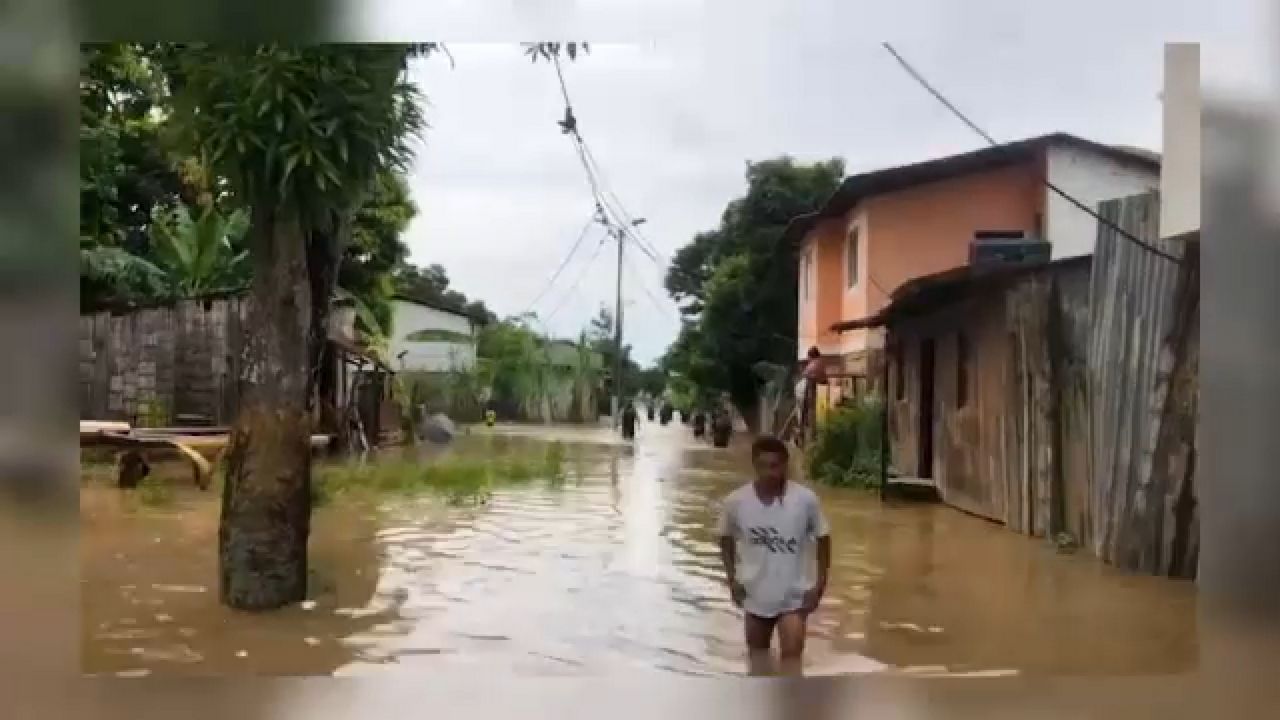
point(931, 291)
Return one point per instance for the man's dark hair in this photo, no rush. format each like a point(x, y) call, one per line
point(769, 444)
point(814, 352)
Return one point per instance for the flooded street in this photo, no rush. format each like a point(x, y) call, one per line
point(613, 570)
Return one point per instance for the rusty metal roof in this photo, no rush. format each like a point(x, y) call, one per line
point(929, 292)
point(856, 188)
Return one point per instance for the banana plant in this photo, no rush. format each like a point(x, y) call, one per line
point(202, 254)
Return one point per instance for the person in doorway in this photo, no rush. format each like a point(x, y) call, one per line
point(813, 374)
point(629, 419)
point(767, 529)
point(699, 424)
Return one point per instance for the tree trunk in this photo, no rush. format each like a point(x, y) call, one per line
point(266, 501)
point(324, 250)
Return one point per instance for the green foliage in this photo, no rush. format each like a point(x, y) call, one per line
point(738, 283)
point(457, 481)
point(846, 451)
point(200, 255)
point(308, 128)
point(599, 336)
point(154, 492)
point(430, 285)
point(108, 272)
point(125, 169)
point(375, 252)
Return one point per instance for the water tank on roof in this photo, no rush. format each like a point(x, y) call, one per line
point(1007, 248)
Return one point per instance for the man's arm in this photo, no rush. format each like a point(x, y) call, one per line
point(824, 560)
point(728, 556)
point(821, 531)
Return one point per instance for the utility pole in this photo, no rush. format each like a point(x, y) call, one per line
point(617, 333)
point(619, 233)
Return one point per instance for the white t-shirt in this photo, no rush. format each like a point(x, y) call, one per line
point(775, 546)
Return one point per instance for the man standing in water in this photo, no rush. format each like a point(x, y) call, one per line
point(766, 530)
point(629, 418)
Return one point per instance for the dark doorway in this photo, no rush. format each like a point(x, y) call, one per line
point(924, 468)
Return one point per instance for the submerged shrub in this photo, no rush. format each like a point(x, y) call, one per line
point(846, 449)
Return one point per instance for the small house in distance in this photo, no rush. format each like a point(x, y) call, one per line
point(430, 338)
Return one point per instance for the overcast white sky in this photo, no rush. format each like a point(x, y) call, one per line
point(672, 120)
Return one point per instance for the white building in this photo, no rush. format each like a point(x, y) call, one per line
point(427, 338)
point(1091, 177)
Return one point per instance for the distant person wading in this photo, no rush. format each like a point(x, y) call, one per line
point(721, 428)
point(629, 419)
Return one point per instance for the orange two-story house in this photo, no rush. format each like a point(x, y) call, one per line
point(882, 228)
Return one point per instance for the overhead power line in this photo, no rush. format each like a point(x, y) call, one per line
point(619, 208)
point(600, 190)
point(578, 280)
point(648, 293)
point(565, 263)
point(1054, 188)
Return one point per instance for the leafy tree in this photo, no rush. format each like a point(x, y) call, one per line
point(126, 172)
point(301, 134)
point(302, 139)
point(124, 169)
point(375, 251)
point(600, 336)
point(109, 272)
point(737, 283)
point(652, 381)
point(431, 285)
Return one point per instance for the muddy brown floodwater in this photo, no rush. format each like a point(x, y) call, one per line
point(613, 570)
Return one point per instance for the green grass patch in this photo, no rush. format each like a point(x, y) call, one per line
point(154, 492)
point(457, 480)
point(97, 471)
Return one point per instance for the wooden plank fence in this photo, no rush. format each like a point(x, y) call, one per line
point(1142, 388)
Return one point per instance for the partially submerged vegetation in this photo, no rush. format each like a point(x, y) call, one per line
point(459, 481)
point(846, 450)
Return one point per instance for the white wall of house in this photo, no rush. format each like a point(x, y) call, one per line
point(1180, 176)
point(1090, 178)
point(408, 318)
